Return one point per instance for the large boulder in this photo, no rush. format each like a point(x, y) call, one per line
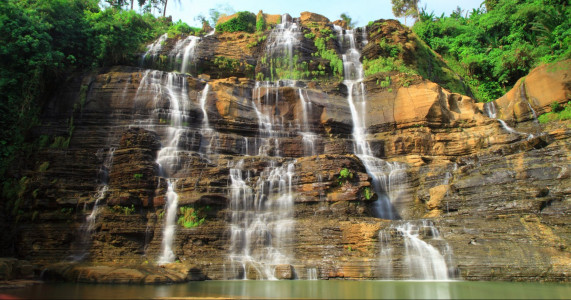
point(533, 95)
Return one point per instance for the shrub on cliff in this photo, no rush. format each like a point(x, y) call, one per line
point(242, 21)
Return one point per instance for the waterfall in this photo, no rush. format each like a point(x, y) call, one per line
point(261, 213)
point(311, 273)
point(188, 54)
point(490, 110)
point(173, 120)
point(261, 219)
point(179, 57)
point(88, 226)
point(387, 176)
point(421, 260)
point(154, 48)
point(308, 137)
point(169, 231)
point(283, 39)
point(101, 190)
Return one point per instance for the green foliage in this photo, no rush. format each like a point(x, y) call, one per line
point(555, 107)
point(191, 216)
point(261, 23)
point(180, 28)
point(284, 68)
point(243, 21)
point(44, 166)
point(60, 142)
point(126, 210)
point(258, 41)
point(119, 35)
point(138, 176)
point(66, 211)
point(344, 175)
point(389, 50)
point(335, 62)
point(493, 49)
point(231, 65)
point(558, 114)
point(345, 17)
point(385, 83)
point(310, 35)
point(42, 43)
point(385, 65)
point(405, 8)
point(367, 193)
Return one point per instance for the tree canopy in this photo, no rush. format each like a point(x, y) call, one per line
point(405, 8)
point(491, 49)
point(43, 42)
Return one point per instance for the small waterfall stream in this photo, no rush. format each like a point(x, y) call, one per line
point(426, 255)
point(88, 226)
point(490, 110)
point(179, 58)
point(102, 189)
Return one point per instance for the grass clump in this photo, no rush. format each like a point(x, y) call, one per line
point(557, 113)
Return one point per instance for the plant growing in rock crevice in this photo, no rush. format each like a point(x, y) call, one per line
point(126, 210)
point(191, 216)
point(367, 193)
point(344, 176)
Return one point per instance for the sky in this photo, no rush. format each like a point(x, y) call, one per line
point(361, 11)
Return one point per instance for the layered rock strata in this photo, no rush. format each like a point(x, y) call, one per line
point(499, 198)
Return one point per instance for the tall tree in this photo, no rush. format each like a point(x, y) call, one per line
point(345, 17)
point(165, 7)
point(406, 8)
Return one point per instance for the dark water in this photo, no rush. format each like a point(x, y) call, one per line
point(300, 289)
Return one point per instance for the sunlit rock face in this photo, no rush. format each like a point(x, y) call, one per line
point(274, 171)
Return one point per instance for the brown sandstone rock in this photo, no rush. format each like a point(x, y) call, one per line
point(307, 18)
point(541, 87)
point(284, 272)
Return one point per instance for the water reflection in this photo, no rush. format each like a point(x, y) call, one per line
point(301, 289)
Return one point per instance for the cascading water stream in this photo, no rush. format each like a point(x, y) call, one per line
point(309, 138)
point(173, 120)
point(424, 260)
point(188, 53)
point(167, 253)
point(88, 226)
point(101, 190)
point(154, 49)
point(386, 176)
point(209, 136)
point(490, 110)
point(261, 229)
point(179, 57)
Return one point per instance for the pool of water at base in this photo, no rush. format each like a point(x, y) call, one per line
point(297, 289)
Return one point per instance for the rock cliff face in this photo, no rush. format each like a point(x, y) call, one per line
point(500, 199)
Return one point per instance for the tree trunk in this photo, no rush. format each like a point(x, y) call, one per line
point(165, 9)
point(132, 1)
